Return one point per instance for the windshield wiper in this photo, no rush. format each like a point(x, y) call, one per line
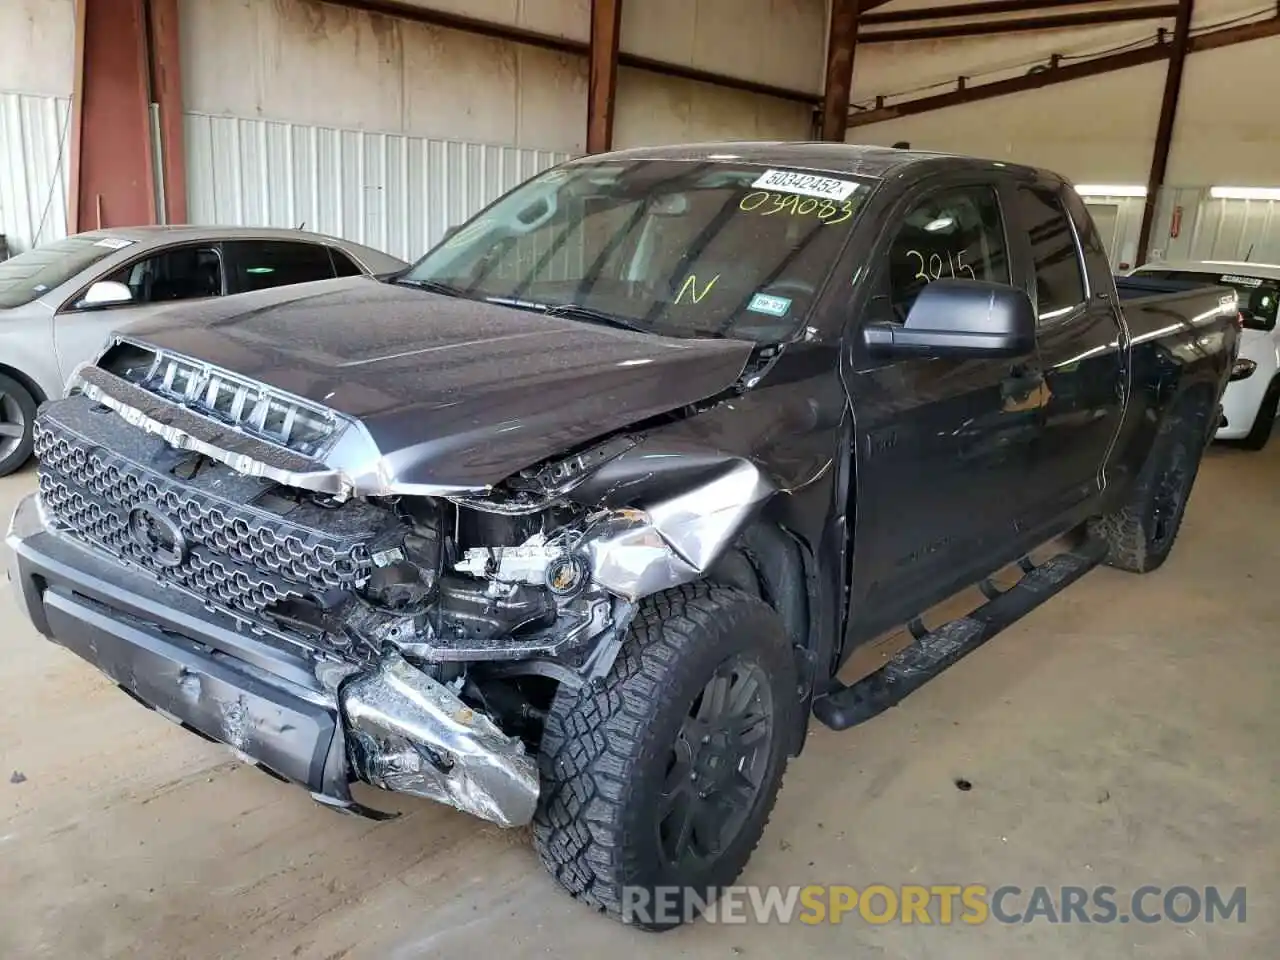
point(432, 286)
point(576, 311)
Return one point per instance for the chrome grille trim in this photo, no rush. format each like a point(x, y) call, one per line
point(199, 386)
point(186, 430)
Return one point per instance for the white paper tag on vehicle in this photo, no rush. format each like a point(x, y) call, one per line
point(113, 243)
point(806, 184)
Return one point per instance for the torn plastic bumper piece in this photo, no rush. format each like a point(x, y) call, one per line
point(409, 734)
point(265, 701)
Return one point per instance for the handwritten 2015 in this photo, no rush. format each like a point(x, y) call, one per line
point(767, 203)
point(932, 268)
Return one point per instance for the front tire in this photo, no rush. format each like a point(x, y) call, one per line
point(17, 423)
point(664, 775)
point(1260, 433)
point(1140, 534)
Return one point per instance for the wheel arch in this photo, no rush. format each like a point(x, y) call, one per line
point(28, 384)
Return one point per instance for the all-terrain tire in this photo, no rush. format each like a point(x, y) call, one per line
point(607, 750)
point(17, 412)
point(1140, 534)
point(1260, 432)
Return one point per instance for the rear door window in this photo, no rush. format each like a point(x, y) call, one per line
point(1059, 275)
point(262, 264)
point(343, 265)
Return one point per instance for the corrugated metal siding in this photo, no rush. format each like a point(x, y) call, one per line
point(34, 168)
point(395, 193)
point(1209, 230)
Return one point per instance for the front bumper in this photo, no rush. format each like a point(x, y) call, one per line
point(264, 700)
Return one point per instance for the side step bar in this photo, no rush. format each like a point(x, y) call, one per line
point(933, 651)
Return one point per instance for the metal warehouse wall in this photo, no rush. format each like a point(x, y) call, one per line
point(37, 48)
point(393, 192)
point(1097, 130)
point(388, 131)
point(1207, 228)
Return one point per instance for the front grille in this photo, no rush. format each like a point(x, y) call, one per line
point(234, 541)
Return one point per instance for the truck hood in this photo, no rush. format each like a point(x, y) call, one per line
point(452, 392)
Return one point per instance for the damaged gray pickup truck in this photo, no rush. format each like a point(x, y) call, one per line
point(574, 522)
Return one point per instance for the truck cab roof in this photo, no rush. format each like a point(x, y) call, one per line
point(857, 159)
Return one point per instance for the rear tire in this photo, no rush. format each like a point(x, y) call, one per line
point(17, 421)
point(664, 775)
point(1140, 534)
point(1260, 433)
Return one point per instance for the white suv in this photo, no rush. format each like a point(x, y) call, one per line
point(1249, 404)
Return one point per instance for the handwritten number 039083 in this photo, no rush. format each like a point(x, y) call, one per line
point(931, 269)
point(830, 212)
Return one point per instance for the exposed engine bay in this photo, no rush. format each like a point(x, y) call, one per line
point(440, 625)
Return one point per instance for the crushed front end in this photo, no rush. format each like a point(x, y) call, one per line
point(193, 538)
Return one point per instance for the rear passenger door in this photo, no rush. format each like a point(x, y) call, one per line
point(1079, 346)
point(263, 264)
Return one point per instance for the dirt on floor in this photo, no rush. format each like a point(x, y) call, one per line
point(1125, 734)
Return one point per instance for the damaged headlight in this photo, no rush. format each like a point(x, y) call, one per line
point(620, 551)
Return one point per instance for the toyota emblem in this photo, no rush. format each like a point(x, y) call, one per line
point(158, 535)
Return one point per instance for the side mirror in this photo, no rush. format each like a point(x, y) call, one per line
point(104, 293)
point(448, 234)
point(959, 318)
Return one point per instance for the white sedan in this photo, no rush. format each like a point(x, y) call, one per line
point(60, 301)
point(1250, 402)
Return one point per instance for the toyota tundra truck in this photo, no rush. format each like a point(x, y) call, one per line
point(574, 522)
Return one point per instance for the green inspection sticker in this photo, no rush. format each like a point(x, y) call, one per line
point(773, 306)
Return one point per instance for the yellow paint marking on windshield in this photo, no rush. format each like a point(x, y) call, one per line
point(690, 286)
point(830, 212)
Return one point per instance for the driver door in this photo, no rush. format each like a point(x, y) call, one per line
point(156, 279)
point(943, 446)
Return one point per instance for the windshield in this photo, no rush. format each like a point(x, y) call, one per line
point(1259, 296)
point(31, 275)
point(681, 248)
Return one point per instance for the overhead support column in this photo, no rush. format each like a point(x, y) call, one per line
point(166, 94)
point(602, 75)
point(843, 37)
point(127, 167)
point(1164, 129)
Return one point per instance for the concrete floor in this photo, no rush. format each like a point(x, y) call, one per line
point(1124, 734)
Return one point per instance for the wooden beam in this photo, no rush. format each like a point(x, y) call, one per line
point(985, 28)
point(1164, 128)
point(166, 93)
point(602, 73)
point(841, 42)
point(976, 8)
point(546, 41)
point(1051, 75)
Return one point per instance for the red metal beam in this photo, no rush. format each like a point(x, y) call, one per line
point(602, 73)
point(1223, 37)
point(166, 92)
point(115, 179)
point(843, 38)
point(532, 38)
point(1164, 128)
point(983, 28)
point(978, 8)
point(1001, 88)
